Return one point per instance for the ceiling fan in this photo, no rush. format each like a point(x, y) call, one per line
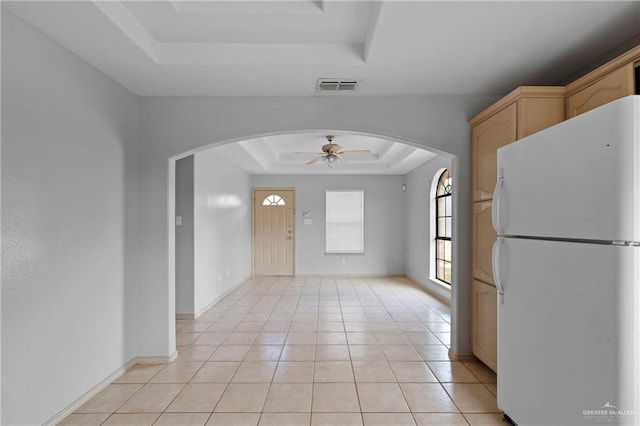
point(332, 153)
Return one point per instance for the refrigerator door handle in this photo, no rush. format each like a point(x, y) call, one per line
point(495, 208)
point(495, 260)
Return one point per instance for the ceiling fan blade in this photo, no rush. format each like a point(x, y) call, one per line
point(356, 151)
point(341, 159)
point(309, 152)
point(315, 160)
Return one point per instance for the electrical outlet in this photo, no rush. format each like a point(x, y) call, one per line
point(344, 261)
point(219, 278)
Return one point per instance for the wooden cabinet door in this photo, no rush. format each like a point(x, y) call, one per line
point(482, 241)
point(484, 323)
point(493, 133)
point(617, 84)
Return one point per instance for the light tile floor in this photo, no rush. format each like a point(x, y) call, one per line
point(307, 351)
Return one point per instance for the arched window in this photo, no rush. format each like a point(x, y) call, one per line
point(273, 200)
point(443, 227)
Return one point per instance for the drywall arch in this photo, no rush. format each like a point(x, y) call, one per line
point(171, 128)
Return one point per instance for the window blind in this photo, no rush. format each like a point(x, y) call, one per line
point(344, 221)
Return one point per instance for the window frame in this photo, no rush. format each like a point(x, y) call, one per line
point(330, 251)
point(447, 192)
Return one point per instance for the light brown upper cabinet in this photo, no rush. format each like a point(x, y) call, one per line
point(613, 80)
point(616, 84)
point(522, 112)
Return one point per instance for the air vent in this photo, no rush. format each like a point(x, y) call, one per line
point(336, 85)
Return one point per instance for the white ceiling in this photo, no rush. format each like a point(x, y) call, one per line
point(280, 155)
point(175, 47)
point(281, 48)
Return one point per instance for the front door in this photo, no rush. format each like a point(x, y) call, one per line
point(273, 231)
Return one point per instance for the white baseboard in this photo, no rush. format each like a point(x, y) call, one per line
point(348, 275)
point(461, 357)
point(216, 300)
point(69, 409)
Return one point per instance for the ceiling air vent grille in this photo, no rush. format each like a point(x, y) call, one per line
point(336, 85)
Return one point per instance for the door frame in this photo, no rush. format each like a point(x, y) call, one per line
point(253, 223)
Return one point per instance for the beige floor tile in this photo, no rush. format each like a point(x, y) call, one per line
point(109, 399)
point(481, 371)
point(433, 352)
point(336, 419)
point(388, 419)
point(485, 419)
point(184, 339)
point(297, 371)
point(230, 353)
point(211, 339)
point(297, 326)
point(334, 326)
point(289, 398)
point(285, 419)
point(331, 338)
point(439, 327)
point(356, 326)
point(301, 338)
point(234, 419)
point(411, 326)
point(270, 338)
point(93, 419)
point(381, 398)
point(472, 397)
point(439, 419)
point(221, 326)
point(138, 419)
point(177, 372)
point(333, 372)
point(373, 371)
point(427, 397)
point(241, 338)
point(255, 372)
point(195, 327)
point(140, 373)
point(277, 326)
point(195, 353)
point(366, 353)
point(255, 326)
point(445, 338)
point(386, 326)
point(264, 353)
point(298, 353)
point(182, 419)
point(412, 372)
point(493, 388)
point(197, 398)
point(216, 372)
point(422, 338)
point(401, 353)
point(152, 398)
point(332, 353)
point(390, 338)
point(362, 338)
point(335, 398)
point(243, 398)
point(452, 372)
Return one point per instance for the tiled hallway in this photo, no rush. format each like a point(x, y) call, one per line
point(307, 351)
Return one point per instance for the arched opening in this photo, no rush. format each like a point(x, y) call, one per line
point(454, 223)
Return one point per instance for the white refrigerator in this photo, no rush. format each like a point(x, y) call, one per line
point(567, 269)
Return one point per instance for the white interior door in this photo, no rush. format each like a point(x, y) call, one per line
point(273, 231)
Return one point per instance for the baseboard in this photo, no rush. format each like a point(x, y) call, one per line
point(216, 300)
point(69, 409)
point(461, 357)
point(349, 276)
point(428, 290)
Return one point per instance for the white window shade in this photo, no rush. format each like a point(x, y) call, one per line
point(345, 221)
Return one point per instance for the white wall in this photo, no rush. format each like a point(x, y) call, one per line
point(383, 218)
point(68, 225)
point(184, 237)
point(222, 227)
point(419, 224)
point(171, 126)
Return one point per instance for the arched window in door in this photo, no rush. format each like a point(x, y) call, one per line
point(273, 200)
point(443, 227)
